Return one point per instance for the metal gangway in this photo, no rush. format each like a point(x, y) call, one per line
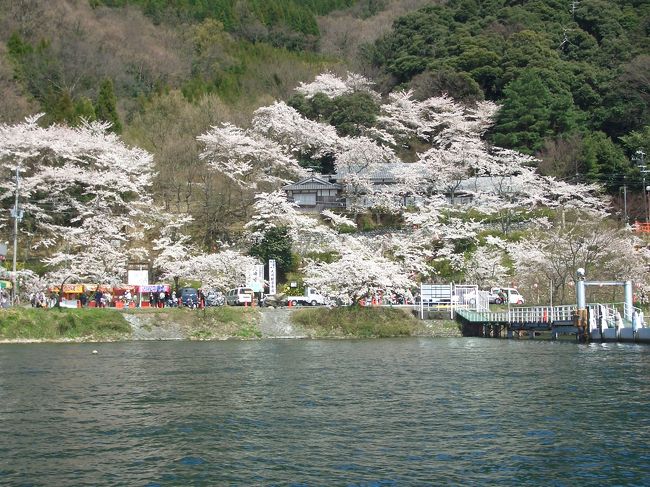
point(549, 314)
point(612, 320)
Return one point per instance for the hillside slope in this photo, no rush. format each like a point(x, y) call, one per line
point(573, 82)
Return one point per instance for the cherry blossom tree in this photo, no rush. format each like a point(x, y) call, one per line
point(222, 270)
point(338, 221)
point(29, 282)
point(95, 252)
point(247, 157)
point(273, 210)
point(357, 163)
point(84, 191)
point(358, 273)
point(497, 185)
point(295, 133)
point(605, 252)
point(332, 86)
point(485, 267)
point(173, 250)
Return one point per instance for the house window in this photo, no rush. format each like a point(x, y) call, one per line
point(305, 199)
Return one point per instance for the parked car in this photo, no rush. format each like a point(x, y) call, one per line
point(495, 297)
point(309, 297)
point(239, 296)
point(214, 297)
point(499, 295)
point(189, 296)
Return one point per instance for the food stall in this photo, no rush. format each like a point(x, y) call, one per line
point(91, 289)
point(71, 294)
point(120, 297)
point(151, 289)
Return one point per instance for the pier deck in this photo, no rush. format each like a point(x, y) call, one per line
point(556, 319)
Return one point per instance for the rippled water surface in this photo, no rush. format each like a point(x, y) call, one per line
point(381, 412)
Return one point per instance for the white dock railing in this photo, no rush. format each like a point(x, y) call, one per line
point(549, 314)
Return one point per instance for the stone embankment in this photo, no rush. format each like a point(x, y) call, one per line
point(144, 328)
point(276, 323)
point(442, 329)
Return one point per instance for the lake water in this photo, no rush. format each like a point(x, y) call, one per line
point(363, 412)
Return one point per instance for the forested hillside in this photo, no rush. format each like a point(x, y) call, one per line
point(572, 77)
point(286, 23)
point(232, 99)
point(165, 71)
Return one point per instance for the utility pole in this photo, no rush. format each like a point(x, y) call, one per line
point(647, 203)
point(639, 158)
point(17, 215)
point(625, 202)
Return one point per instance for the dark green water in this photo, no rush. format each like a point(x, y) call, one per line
point(382, 412)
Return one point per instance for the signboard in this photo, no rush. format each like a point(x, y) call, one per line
point(272, 277)
point(436, 293)
point(91, 288)
point(73, 288)
point(137, 277)
point(68, 303)
point(255, 278)
point(155, 288)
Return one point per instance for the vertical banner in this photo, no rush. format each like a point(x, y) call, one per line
point(255, 278)
point(272, 276)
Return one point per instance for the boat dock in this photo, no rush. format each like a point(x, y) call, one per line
point(609, 322)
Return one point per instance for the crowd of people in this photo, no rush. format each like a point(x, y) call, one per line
point(41, 300)
point(128, 297)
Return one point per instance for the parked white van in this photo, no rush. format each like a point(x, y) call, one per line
point(499, 295)
point(239, 296)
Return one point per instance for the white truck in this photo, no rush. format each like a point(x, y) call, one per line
point(310, 297)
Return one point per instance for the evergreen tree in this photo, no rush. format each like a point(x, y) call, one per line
point(536, 107)
point(62, 108)
point(84, 108)
point(106, 106)
point(276, 244)
point(603, 161)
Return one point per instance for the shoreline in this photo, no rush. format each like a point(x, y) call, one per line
point(37, 341)
point(34, 326)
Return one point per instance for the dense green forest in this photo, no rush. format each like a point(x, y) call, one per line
point(572, 77)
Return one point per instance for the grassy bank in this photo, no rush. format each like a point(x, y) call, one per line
point(64, 324)
point(30, 324)
point(355, 321)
